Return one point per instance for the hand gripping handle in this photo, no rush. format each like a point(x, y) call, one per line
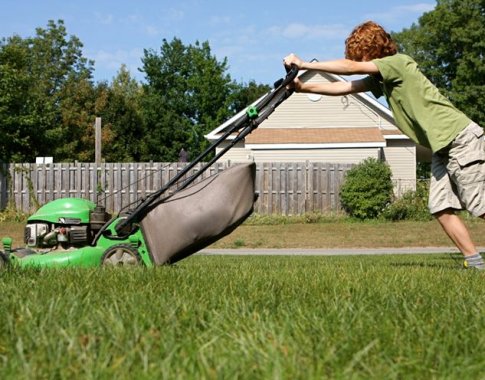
point(291, 73)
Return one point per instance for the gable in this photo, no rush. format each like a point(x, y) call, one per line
point(343, 129)
point(315, 111)
point(320, 111)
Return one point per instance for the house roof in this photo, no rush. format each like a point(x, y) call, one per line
point(347, 135)
point(308, 138)
point(314, 135)
point(393, 134)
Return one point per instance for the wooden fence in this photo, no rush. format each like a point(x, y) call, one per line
point(283, 188)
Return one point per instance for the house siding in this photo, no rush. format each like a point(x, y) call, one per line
point(307, 111)
point(400, 155)
point(327, 112)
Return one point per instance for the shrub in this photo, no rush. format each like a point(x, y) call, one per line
point(413, 205)
point(367, 189)
point(11, 214)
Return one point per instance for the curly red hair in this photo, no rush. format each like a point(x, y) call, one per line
point(369, 41)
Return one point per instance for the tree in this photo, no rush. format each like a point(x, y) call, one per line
point(123, 126)
point(16, 121)
point(34, 75)
point(186, 95)
point(244, 94)
point(74, 131)
point(448, 45)
point(48, 101)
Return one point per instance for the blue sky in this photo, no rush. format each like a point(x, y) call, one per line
point(253, 35)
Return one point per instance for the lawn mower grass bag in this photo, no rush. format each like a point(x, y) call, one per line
point(199, 215)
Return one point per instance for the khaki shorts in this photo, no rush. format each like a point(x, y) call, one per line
point(458, 175)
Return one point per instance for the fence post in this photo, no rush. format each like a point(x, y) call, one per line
point(97, 138)
point(3, 185)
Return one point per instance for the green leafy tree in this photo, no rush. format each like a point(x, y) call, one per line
point(186, 95)
point(16, 120)
point(35, 74)
point(449, 45)
point(74, 133)
point(367, 189)
point(123, 128)
point(48, 101)
point(246, 93)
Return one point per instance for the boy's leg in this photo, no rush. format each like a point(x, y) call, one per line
point(443, 200)
point(465, 173)
point(457, 231)
point(465, 166)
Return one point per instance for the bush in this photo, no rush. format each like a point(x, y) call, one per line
point(11, 214)
point(367, 189)
point(413, 205)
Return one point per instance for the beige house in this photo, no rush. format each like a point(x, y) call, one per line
point(342, 129)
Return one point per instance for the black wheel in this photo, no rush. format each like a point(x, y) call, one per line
point(121, 255)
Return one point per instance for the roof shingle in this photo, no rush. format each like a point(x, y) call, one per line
point(314, 135)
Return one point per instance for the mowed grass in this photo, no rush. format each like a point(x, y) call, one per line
point(342, 233)
point(333, 233)
point(223, 317)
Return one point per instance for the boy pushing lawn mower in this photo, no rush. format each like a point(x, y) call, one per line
point(424, 115)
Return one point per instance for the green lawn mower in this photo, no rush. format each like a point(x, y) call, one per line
point(161, 229)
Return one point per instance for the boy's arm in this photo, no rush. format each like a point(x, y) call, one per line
point(340, 66)
point(334, 88)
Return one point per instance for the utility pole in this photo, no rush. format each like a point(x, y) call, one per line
point(97, 157)
point(97, 142)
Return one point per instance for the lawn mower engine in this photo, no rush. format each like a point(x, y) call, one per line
point(64, 223)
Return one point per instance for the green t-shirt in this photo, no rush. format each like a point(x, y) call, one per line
point(420, 110)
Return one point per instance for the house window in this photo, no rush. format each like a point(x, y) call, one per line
point(314, 97)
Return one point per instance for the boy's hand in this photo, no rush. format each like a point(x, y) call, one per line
point(292, 59)
point(295, 85)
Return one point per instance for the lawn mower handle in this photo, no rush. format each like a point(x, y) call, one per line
point(244, 125)
point(291, 73)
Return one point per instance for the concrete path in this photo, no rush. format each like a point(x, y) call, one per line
point(330, 251)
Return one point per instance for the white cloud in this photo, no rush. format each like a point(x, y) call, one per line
point(112, 60)
point(400, 11)
point(175, 14)
point(416, 8)
point(105, 19)
point(151, 30)
point(220, 20)
point(132, 19)
point(298, 30)
point(235, 39)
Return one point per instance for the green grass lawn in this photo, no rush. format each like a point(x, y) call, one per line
point(343, 233)
point(213, 317)
point(331, 233)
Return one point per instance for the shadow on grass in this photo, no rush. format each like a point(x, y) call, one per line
point(450, 261)
point(419, 264)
